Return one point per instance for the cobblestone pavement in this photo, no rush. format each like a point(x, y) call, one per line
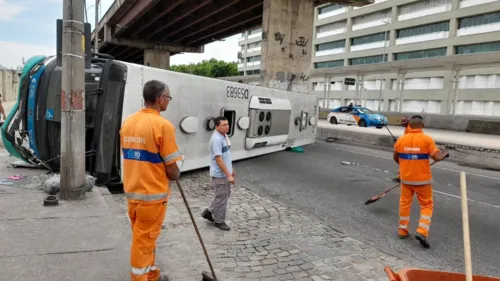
point(267, 241)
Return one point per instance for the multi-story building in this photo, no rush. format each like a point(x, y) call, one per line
point(397, 30)
point(249, 53)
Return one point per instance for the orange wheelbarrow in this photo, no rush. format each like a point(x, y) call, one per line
point(430, 275)
point(415, 274)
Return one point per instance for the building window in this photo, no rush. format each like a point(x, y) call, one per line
point(479, 20)
point(258, 30)
point(252, 59)
point(331, 28)
point(330, 45)
point(478, 48)
point(368, 60)
point(368, 39)
point(241, 73)
point(251, 72)
point(423, 29)
point(423, 8)
point(327, 64)
point(329, 8)
point(420, 54)
point(371, 20)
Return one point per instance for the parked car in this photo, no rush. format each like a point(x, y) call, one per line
point(356, 115)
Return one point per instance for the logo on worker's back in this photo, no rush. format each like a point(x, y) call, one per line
point(134, 154)
point(412, 148)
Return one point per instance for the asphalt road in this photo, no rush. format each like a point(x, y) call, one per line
point(316, 182)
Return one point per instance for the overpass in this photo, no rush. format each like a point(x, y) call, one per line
point(150, 31)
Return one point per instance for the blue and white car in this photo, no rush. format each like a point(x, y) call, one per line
point(356, 115)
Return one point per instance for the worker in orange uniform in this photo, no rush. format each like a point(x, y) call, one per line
point(412, 152)
point(150, 154)
point(405, 122)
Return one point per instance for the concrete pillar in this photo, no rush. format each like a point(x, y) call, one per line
point(157, 58)
point(456, 78)
point(453, 33)
point(329, 92)
point(287, 26)
point(401, 91)
point(325, 91)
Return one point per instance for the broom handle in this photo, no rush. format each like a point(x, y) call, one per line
point(465, 223)
point(196, 228)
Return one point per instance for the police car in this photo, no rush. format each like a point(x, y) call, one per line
point(356, 115)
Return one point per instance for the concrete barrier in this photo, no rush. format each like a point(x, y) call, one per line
point(463, 123)
point(474, 156)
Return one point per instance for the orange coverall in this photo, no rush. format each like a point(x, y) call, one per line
point(148, 143)
point(415, 148)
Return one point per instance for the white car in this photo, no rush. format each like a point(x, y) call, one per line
point(356, 115)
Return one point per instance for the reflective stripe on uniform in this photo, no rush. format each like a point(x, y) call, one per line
point(141, 155)
point(424, 217)
point(404, 218)
point(424, 226)
point(416, 182)
point(172, 156)
point(407, 156)
point(403, 226)
point(146, 197)
point(141, 271)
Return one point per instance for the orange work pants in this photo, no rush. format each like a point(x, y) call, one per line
point(146, 220)
point(424, 196)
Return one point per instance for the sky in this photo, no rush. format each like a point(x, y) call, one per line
point(28, 28)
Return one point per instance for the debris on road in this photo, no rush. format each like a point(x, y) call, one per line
point(16, 177)
point(53, 184)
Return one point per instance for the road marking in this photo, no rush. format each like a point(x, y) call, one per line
point(387, 158)
point(458, 197)
point(436, 191)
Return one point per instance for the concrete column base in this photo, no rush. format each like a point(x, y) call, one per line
point(157, 58)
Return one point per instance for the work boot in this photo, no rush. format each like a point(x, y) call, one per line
point(423, 240)
point(207, 215)
point(222, 225)
point(403, 236)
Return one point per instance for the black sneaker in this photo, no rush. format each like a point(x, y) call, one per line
point(222, 225)
point(422, 240)
point(207, 215)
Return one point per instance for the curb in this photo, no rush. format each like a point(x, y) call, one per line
point(472, 156)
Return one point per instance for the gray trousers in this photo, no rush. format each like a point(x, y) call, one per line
point(218, 207)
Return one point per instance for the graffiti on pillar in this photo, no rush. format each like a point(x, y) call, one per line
point(303, 77)
point(264, 36)
point(288, 86)
point(304, 52)
point(283, 49)
point(302, 41)
point(292, 84)
point(278, 36)
point(290, 56)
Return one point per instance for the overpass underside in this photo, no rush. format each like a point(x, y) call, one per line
point(168, 27)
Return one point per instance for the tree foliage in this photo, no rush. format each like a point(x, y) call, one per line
point(209, 68)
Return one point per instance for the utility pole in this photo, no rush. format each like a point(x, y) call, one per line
point(96, 39)
point(73, 101)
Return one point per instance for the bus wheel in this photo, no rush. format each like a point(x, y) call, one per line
point(333, 120)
